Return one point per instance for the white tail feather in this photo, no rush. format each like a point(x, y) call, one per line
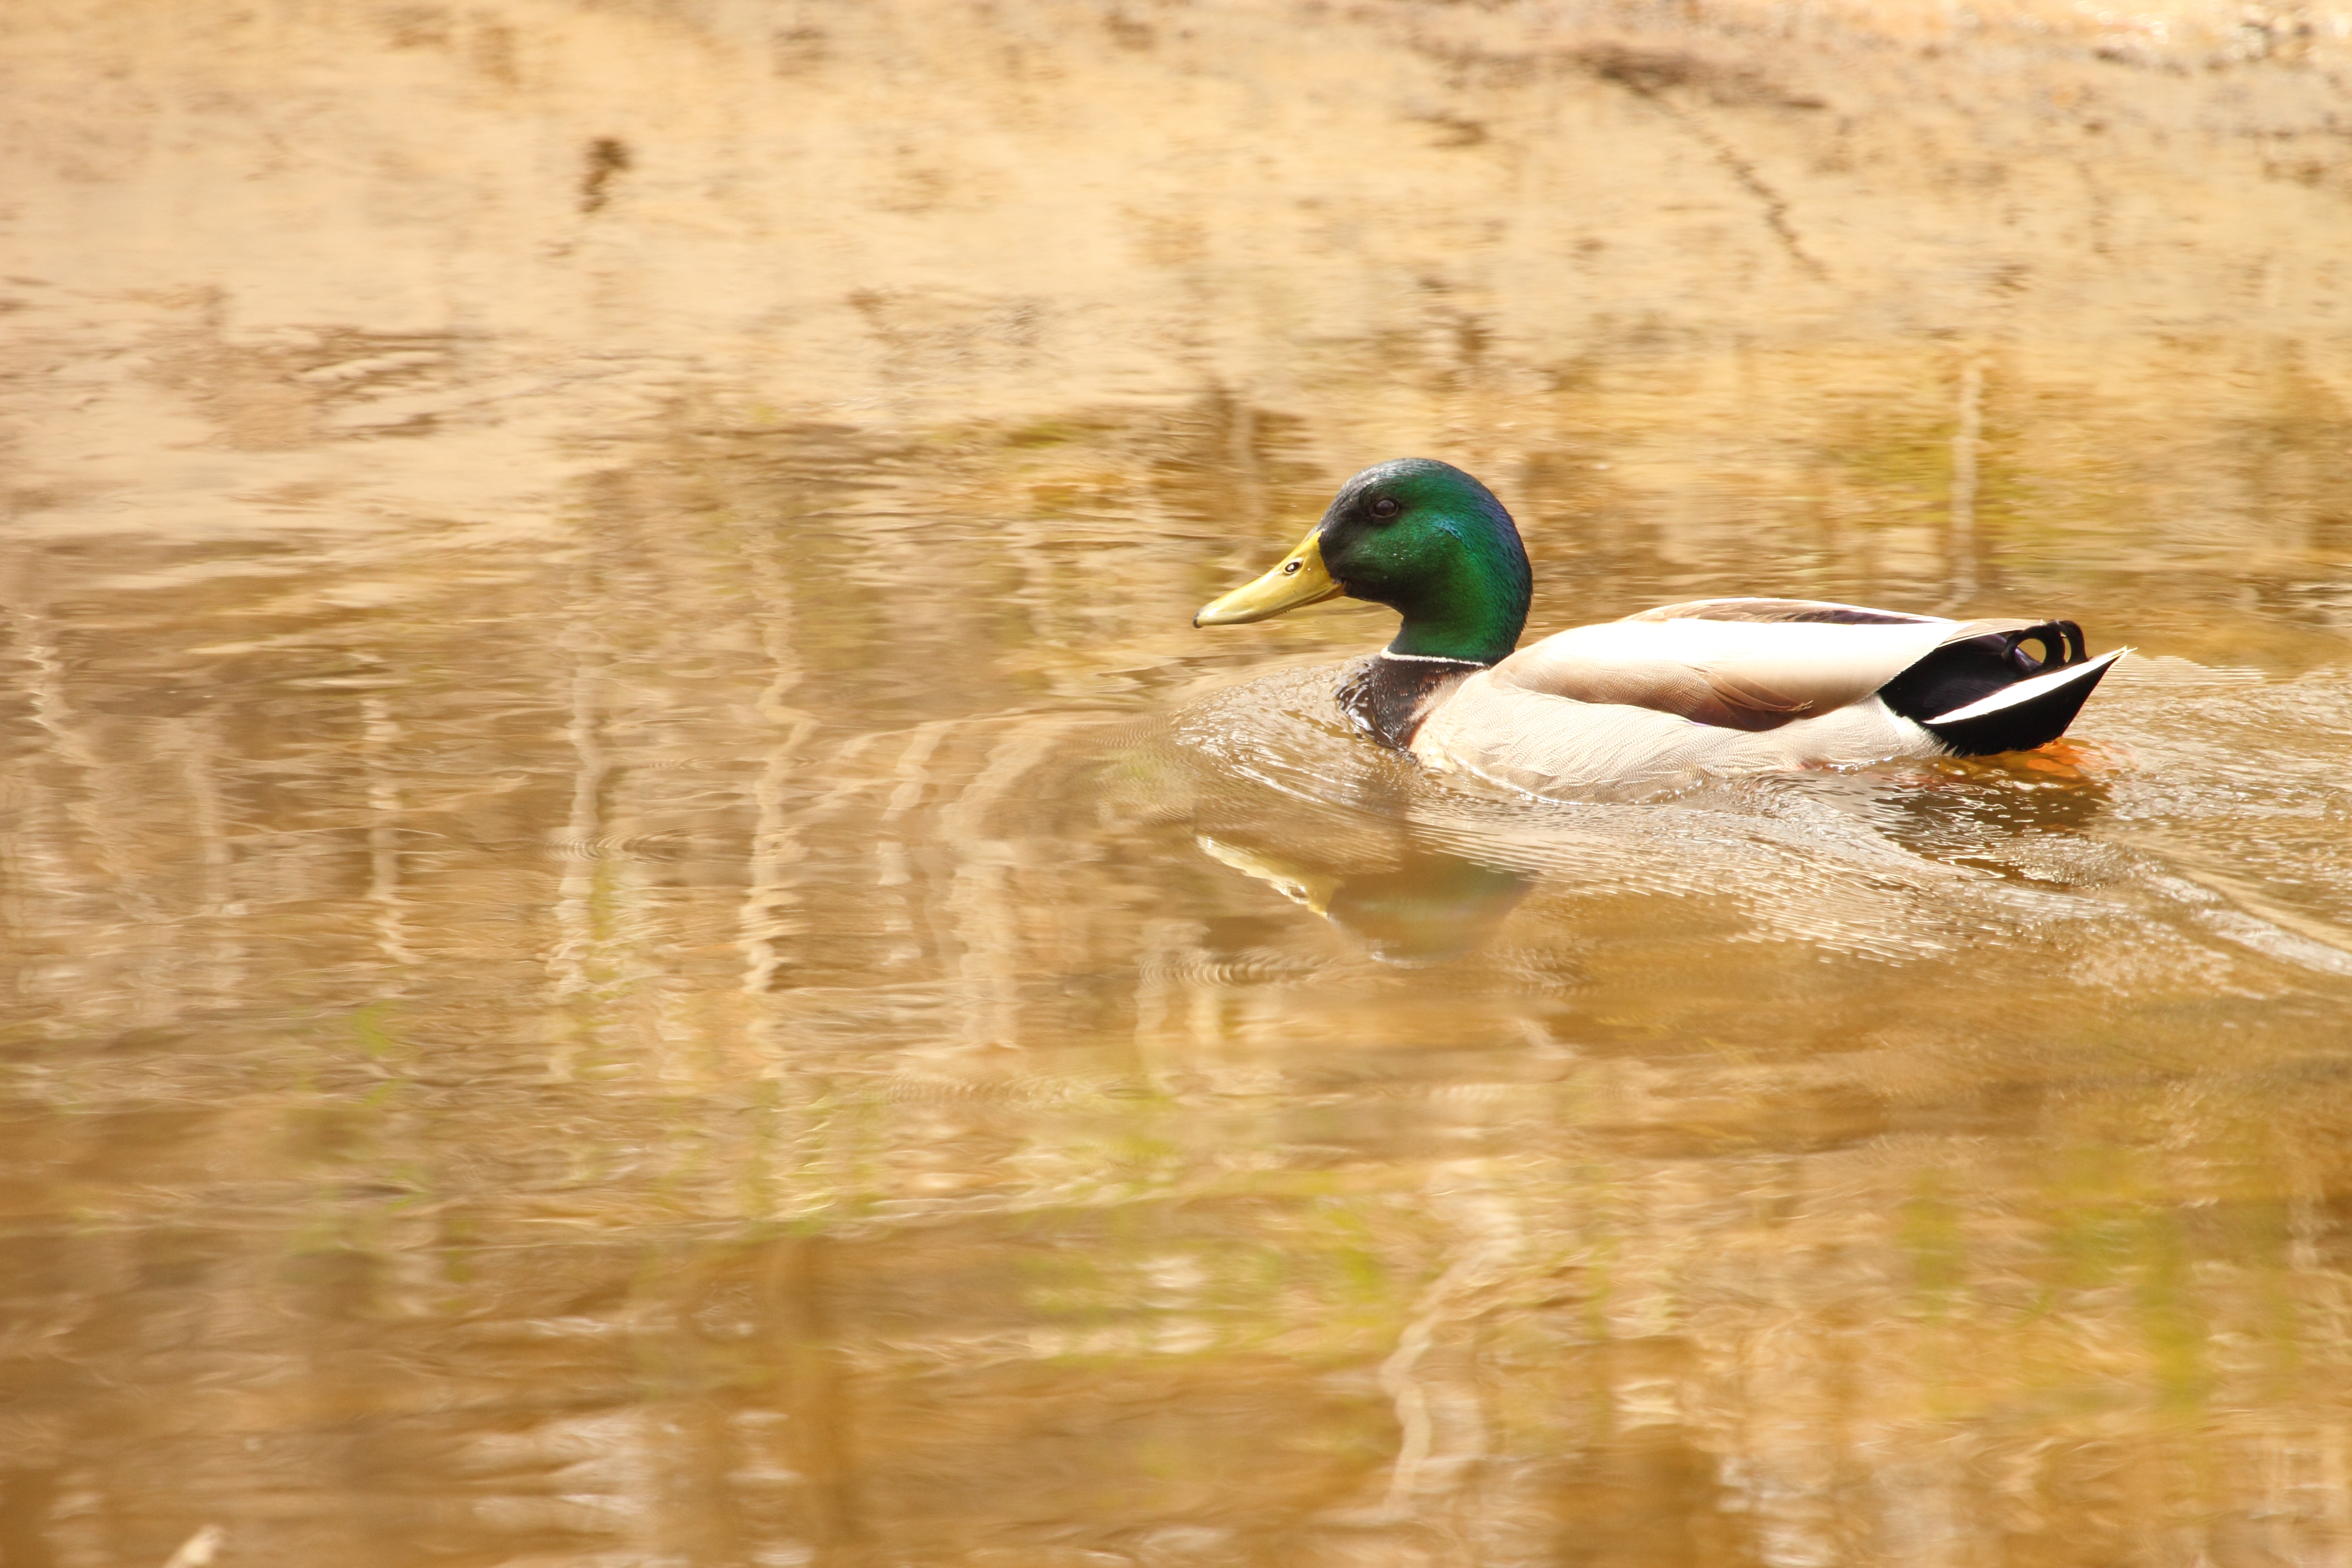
point(2027, 690)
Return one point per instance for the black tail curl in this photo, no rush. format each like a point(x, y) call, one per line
point(1960, 673)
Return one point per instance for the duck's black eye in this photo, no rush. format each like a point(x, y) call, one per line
point(1385, 507)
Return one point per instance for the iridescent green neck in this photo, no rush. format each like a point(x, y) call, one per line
point(1479, 632)
point(1468, 603)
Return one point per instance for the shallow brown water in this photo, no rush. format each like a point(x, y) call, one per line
point(638, 933)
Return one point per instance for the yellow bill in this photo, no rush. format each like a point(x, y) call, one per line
point(1298, 579)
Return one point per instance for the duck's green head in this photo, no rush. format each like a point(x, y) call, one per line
point(1422, 537)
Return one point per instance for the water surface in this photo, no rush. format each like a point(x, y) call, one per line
point(637, 931)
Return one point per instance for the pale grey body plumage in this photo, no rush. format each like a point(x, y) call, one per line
point(1707, 688)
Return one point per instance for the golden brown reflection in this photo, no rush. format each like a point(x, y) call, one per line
point(638, 931)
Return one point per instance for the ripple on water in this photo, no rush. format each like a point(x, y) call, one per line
point(2115, 838)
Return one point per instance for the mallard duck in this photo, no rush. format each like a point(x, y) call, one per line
point(1714, 686)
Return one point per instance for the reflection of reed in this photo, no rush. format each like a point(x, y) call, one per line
point(995, 933)
point(380, 735)
point(108, 801)
point(1485, 1227)
point(40, 876)
point(910, 777)
point(774, 840)
point(819, 1435)
point(1966, 439)
point(573, 961)
point(206, 763)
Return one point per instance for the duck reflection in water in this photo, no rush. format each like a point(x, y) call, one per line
point(1430, 908)
point(1984, 811)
